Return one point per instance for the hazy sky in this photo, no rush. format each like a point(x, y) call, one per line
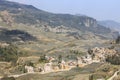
point(99, 9)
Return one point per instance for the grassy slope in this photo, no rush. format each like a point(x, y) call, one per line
point(49, 42)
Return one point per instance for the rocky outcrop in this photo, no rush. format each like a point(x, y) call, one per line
point(57, 29)
point(6, 17)
point(3, 44)
point(90, 22)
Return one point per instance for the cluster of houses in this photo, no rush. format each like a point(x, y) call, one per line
point(64, 65)
point(96, 55)
point(101, 53)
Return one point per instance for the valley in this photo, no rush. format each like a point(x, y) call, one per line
point(40, 45)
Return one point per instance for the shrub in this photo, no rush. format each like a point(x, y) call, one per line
point(115, 59)
point(118, 40)
point(43, 59)
point(8, 78)
point(10, 53)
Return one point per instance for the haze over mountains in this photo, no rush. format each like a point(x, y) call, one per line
point(111, 24)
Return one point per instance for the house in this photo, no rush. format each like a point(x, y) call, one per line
point(29, 69)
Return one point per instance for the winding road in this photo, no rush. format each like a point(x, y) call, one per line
point(114, 75)
point(18, 75)
point(111, 78)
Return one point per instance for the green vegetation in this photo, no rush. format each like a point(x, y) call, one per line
point(76, 52)
point(20, 68)
point(15, 35)
point(25, 18)
point(60, 58)
point(43, 59)
point(10, 53)
point(91, 77)
point(29, 63)
point(118, 40)
point(8, 78)
point(114, 59)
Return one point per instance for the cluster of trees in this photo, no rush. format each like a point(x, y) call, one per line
point(118, 40)
point(43, 59)
point(10, 53)
point(91, 77)
point(115, 59)
point(8, 78)
point(76, 52)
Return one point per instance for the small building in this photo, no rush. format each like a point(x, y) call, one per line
point(29, 69)
point(48, 67)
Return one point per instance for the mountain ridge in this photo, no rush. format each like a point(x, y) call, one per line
point(111, 24)
point(28, 14)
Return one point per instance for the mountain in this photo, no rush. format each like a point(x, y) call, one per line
point(44, 36)
point(28, 14)
point(111, 24)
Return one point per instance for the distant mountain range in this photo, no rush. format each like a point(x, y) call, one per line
point(111, 24)
point(28, 14)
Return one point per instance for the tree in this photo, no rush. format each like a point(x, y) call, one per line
point(90, 77)
point(114, 59)
point(10, 53)
point(90, 51)
point(118, 40)
point(43, 59)
point(59, 58)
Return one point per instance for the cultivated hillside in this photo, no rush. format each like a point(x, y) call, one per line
point(38, 31)
point(39, 45)
point(28, 14)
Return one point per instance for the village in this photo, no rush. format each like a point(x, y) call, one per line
point(95, 55)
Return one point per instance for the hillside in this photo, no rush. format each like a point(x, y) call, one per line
point(40, 45)
point(38, 31)
point(28, 14)
point(111, 24)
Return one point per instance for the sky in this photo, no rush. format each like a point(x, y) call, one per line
point(98, 9)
